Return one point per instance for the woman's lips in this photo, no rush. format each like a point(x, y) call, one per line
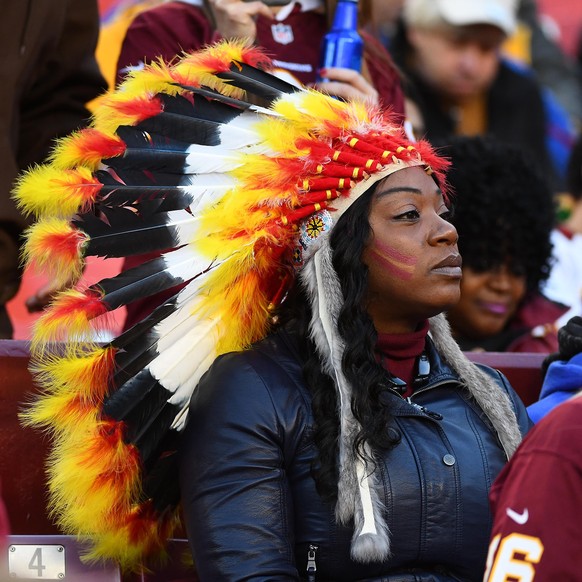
point(495, 308)
point(450, 266)
point(456, 272)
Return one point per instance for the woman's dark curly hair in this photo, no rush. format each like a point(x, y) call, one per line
point(503, 208)
point(365, 375)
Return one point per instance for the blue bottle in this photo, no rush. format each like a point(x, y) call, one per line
point(342, 46)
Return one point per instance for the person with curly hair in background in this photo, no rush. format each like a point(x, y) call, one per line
point(504, 213)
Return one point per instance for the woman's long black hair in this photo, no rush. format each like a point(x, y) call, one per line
point(364, 374)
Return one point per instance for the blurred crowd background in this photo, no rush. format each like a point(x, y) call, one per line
point(545, 45)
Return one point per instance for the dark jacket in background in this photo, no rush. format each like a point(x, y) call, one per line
point(516, 113)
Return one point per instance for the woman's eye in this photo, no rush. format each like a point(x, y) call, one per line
point(410, 215)
point(447, 215)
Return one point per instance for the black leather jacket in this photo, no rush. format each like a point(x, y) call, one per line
point(250, 502)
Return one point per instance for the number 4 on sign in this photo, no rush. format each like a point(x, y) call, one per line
point(513, 559)
point(36, 562)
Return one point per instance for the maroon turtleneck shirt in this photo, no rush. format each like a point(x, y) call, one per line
point(398, 353)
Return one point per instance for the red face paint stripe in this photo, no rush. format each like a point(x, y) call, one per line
point(392, 265)
point(394, 255)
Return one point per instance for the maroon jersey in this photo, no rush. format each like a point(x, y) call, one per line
point(537, 504)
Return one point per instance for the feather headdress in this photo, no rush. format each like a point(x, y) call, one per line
point(234, 177)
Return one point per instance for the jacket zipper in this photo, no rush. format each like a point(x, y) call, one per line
point(434, 415)
point(311, 565)
point(429, 413)
point(437, 384)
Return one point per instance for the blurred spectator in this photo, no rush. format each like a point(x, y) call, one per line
point(450, 52)
point(384, 19)
point(533, 46)
point(565, 281)
point(560, 79)
point(554, 68)
point(536, 499)
point(290, 34)
point(110, 9)
point(503, 211)
point(562, 369)
point(164, 31)
point(49, 74)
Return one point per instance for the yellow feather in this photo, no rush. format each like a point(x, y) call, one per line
point(125, 549)
point(71, 151)
point(74, 385)
point(157, 77)
point(84, 371)
point(50, 191)
point(44, 249)
point(58, 414)
point(260, 171)
point(91, 482)
point(69, 317)
point(281, 137)
point(314, 112)
point(125, 538)
point(198, 68)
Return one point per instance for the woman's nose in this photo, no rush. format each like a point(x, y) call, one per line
point(445, 232)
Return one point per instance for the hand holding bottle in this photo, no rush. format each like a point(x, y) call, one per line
point(346, 84)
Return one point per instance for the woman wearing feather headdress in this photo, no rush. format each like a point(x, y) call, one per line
point(340, 433)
